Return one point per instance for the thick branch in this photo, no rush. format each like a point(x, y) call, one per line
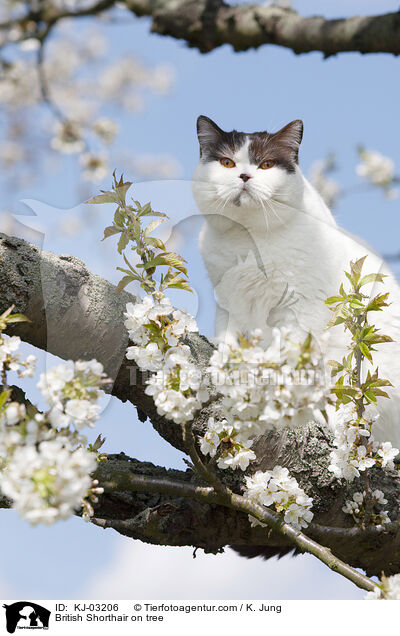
point(168, 507)
point(147, 502)
point(77, 314)
point(207, 24)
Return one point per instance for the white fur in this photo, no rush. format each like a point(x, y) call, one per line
point(276, 257)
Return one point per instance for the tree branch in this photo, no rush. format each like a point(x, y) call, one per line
point(77, 314)
point(208, 24)
point(182, 509)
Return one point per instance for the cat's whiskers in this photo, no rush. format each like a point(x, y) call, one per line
point(271, 207)
point(265, 200)
point(260, 201)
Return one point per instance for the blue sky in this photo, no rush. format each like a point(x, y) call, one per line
point(345, 100)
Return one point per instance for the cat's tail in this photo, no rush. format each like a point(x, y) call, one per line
point(264, 551)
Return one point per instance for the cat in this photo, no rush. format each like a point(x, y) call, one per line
point(274, 252)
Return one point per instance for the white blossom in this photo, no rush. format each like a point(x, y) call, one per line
point(28, 367)
point(356, 507)
point(389, 589)
point(82, 412)
point(95, 166)
point(388, 453)
point(279, 489)
point(71, 390)
point(376, 168)
point(45, 467)
point(328, 188)
point(106, 129)
point(68, 138)
point(148, 358)
point(14, 413)
point(239, 459)
point(48, 482)
point(261, 388)
point(379, 497)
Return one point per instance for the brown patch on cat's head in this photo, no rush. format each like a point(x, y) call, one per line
point(215, 143)
point(281, 147)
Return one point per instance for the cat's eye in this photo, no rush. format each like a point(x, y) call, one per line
point(227, 163)
point(267, 164)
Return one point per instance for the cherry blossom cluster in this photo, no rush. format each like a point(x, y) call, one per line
point(356, 450)
point(48, 481)
point(388, 589)
point(10, 360)
point(177, 386)
point(73, 122)
point(45, 464)
point(263, 389)
point(356, 507)
point(278, 489)
point(328, 188)
point(72, 390)
point(379, 170)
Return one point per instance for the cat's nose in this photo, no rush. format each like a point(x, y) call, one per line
point(245, 176)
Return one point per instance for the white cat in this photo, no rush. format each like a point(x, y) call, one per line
point(274, 252)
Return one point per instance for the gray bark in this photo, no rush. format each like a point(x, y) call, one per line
point(208, 24)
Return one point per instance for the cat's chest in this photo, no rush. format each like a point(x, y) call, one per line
point(281, 257)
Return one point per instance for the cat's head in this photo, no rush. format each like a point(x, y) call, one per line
point(246, 172)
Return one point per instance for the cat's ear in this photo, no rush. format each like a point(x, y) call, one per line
point(208, 132)
point(291, 136)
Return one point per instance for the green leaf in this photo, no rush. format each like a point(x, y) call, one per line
point(144, 210)
point(123, 283)
point(168, 258)
point(356, 304)
point(380, 382)
point(333, 299)
point(349, 276)
point(109, 231)
point(122, 189)
point(342, 292)
point(119, 218)
point(132, 275)
point(337, 317)
point(371, 278)
point(336, 367)
point(371, 397)
point(4, 395)
point(356, 268)
point(154, 242)
point(365, 351)
point(374, 338)
point(381, 393)
point(152, 226)
point(378, 302)
point(128, 263)
point(183, 285)
point(154, 213)
point(123, 242)
point(17, 318)
point(106, 197)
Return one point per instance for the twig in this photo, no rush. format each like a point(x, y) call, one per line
point(44, 87)
point(141, 483)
